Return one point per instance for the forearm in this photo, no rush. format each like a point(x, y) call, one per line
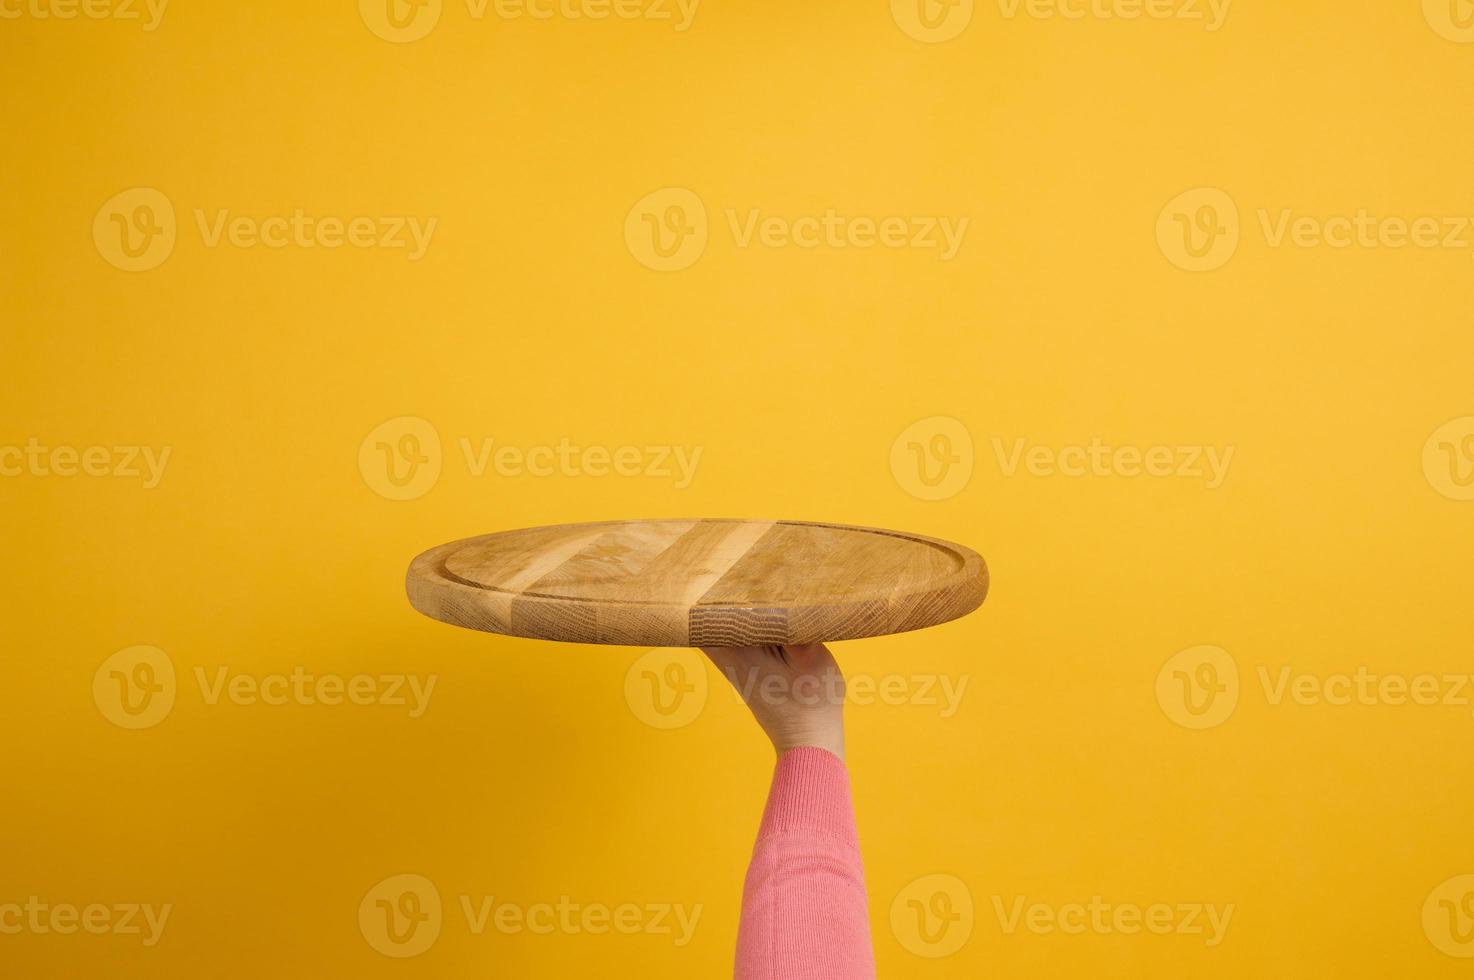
point(804, 912)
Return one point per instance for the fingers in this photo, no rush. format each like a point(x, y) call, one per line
point(725, 658)
point(788, 654)
point(740, 653)
point(810, 656)
point(729, 654)
point(731, 660)
point(790, 661)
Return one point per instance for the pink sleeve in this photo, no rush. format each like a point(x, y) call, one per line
point(803, 905)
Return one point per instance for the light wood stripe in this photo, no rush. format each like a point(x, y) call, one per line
point(527, 568)
point(612, 565)
point(539, 565)
point(731, 547)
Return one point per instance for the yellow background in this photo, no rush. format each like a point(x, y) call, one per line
point(530, 776)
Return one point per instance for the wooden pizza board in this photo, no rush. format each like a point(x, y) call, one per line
point(686, 583)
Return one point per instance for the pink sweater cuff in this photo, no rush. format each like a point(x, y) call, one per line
point(810, 791)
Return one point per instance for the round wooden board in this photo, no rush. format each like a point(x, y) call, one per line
point(680, 583)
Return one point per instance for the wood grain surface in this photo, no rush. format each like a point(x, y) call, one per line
point(697, 582)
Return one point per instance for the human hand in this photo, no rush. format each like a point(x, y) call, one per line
point(795, 692)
